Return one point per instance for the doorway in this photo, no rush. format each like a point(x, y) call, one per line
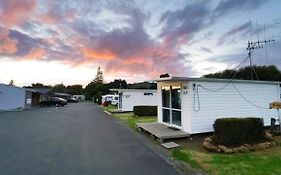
point(171, 105)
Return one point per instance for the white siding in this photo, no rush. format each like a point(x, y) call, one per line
point(131, 99)
point(11, 97)
point(159, 102)
point(228, 103)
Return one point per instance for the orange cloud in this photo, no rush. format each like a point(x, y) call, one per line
point(140, 61)
point(35, 53)
point(7, 45)
point(103, 54)
point(15, 12)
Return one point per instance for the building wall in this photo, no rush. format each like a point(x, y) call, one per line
point(131, 99)
point(228, 103)
point(11, 98)
point(28, 100)
point(79, 97)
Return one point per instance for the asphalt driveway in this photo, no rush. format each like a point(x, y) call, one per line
point(76, 139)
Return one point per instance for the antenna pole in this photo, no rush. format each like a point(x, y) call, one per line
point(253, 46)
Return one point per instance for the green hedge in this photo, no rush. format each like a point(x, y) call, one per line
point(145, 110)
point(237, 131)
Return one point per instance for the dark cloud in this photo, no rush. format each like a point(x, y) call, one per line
point(228, 6)
point(241, 30)
point(25, 42)
point(181, 25)
point(206, 50)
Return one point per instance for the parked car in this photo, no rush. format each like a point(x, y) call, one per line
point(72, 100)
point(53, 101)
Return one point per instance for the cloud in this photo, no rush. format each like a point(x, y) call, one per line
point(7, 45)
point(15, 12)
point(229, 6)
point(35, 53)
point(25, 43)
point(206, 50)
point(241, 30)
point(181, 25)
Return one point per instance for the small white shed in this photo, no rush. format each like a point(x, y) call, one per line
point(193, 104)
point(14, 98)
point(128, 98)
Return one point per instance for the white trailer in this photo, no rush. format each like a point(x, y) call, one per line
point(193, 104)
point(14, 98)
point(128, 98)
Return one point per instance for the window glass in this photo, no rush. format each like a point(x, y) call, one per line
point(166, 115)
point(166, 96)
point(176, 97)
point(176, 117)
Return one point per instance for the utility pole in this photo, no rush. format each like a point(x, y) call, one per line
point(253, 46)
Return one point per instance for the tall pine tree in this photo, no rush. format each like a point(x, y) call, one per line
point(99, 76)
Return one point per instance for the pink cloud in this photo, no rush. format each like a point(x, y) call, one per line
point(35, 53)
point(15, 12)
point(7, 45)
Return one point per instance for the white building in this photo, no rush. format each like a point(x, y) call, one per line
point(128, 98)
point(79, 97)
point(14, 98)
point(193, 104)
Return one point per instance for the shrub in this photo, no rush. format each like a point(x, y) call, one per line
point(145, 110)
point(237, 131)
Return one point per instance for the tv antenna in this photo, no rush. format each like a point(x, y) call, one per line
point(254, 45)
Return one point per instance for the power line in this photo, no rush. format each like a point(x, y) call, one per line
point(229, 81)
point(248, 101)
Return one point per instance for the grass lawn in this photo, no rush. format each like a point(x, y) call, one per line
point(253, 163)
point(109, 107)
point(130, 120)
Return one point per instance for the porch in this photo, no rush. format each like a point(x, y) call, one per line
point(162, 131)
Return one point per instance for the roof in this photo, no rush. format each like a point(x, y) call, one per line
point(42, 90)
point(61, 94)
point(173, 79)
point(133, 90)
point(2, 84)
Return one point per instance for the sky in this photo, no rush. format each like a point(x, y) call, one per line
point(52, 42)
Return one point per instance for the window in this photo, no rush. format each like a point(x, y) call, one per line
point(171, 105)
point(166, 96)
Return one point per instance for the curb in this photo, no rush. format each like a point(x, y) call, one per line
point(107, 112)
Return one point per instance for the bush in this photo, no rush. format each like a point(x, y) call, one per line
point(237, 131)
point(145, 110)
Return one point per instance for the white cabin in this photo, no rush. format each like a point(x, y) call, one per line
point(128, 98)
point(193, 104)
point(14, 98)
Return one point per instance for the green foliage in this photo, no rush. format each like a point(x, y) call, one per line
point(11, 83)
point(118, 83)
point(99, 76)
point(179, 154)
point(267, 73)
point(253, 163)
point(59, 88)
point(145, 110)
point(74, 89)
point(142, 85)
point(129, 119)
point(237, 131)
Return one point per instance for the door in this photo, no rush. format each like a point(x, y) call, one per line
point(171, 105)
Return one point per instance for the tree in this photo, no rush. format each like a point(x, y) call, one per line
point(59, 88)
point(74, 89)
point(11, 83)
point(267, 73)
point(99, 76)
point(117, 83)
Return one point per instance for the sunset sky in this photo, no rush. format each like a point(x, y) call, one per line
point(53, 42)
